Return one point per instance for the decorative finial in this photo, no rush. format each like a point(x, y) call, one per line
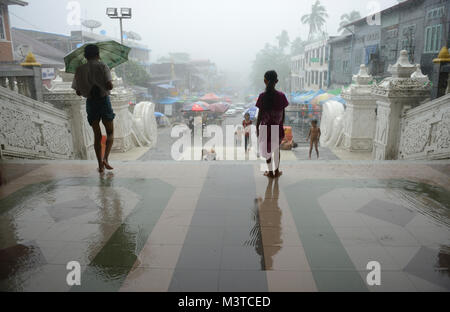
point(419, 76)
point(443, 57)
point(363, 77)
point(30, 60)
point(403, 68)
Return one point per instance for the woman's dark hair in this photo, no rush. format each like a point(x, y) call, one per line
point(91, 51)
point(272, 79)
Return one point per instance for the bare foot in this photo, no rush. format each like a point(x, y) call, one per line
point(278, 174)
point(101, 170)
point(107, 166)
point(269, 174)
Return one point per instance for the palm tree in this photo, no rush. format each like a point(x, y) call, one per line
point(348, 18)
point(283, 40)
point(316, 19)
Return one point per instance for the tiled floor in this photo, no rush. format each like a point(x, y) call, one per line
point(161, 226)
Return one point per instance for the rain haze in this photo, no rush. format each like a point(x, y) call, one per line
point(261, 147)
point(229, 33)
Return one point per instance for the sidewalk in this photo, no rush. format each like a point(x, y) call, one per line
point(131, 155)
point(347, 155)
point(204, 226)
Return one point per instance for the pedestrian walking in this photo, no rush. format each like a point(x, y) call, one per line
point(94, 82)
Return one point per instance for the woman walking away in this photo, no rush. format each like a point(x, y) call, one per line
point(270, 123)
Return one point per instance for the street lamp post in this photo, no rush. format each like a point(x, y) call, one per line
point(125, 13)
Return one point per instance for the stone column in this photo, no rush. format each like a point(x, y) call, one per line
point(395, 95)
point(123, 138)
point(35, 83)
point(62, 96)
point(360, 115)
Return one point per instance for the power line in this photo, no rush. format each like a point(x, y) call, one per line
point(23, 20)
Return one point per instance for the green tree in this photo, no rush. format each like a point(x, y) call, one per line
point(316, 19)
point(270, 58)
point(298, 46)
point(177, 57)
point(283, 40)
point(348, 18)
point(133, 73)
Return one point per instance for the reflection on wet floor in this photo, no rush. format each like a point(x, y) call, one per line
point(225, 228)
point(270, 204)
point(223, 244)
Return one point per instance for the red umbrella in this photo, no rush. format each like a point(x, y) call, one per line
point(210, 97)
point(196, 107)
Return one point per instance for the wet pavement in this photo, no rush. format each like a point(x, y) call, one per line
point(163, 148)
point(191, 226)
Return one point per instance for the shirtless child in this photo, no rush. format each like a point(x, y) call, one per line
point(314, 134)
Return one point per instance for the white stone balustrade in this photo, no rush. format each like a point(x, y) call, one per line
point(425, 133)
point(360, 117)
point(395, 95)
point(33, 130)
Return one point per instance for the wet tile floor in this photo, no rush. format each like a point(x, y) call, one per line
point(193, 227)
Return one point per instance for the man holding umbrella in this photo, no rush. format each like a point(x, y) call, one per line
point(94, 82)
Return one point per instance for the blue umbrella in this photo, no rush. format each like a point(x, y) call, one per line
point(339, 99)
point(300, 98)
point(253, 111)
point(169, 101)
point(307, 100)
point(159, 114)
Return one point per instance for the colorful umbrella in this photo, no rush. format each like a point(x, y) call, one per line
point(169, 101)
point(112, 54)
point(210, 97)
point(300, 98)
point(335, 92)
point(322, 97)
point(159, 114)
point(220, 107)
point(309, 98)
point(196, 107)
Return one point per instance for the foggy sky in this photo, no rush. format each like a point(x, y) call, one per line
point(228, 32)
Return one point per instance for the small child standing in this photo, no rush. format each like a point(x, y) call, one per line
point(247, 123)
point(314, 134)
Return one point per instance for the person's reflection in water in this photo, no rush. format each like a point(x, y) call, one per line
point(269, 207)
point(110, 213)
point(111, 207)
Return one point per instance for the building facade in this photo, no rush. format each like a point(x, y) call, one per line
point(309, 70)
point(65, 43)
point(6, 48)
point(420, 27)
point(298, 73)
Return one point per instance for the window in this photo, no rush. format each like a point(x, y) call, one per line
point(2, 24)
point(435, 13)
point(433, 38)
point(325, 76)
point(346, 67)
